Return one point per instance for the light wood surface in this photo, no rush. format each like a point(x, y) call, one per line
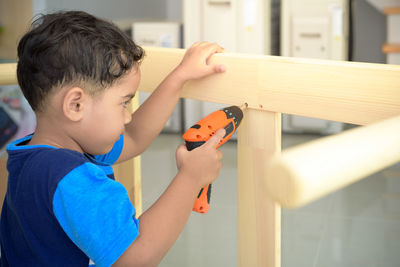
point(391, 48)
point(128, 173)
point(391, 10)
point(358, 93)
point(3, 179)
point(8, 74)
point(259, 218)
point(304, 173)
point(16, 16)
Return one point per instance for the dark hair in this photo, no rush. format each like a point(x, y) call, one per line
point(72, 48)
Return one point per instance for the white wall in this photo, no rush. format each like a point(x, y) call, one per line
point(174, 10)
point(117, 9)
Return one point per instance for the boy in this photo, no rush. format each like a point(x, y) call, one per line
point(61, 208)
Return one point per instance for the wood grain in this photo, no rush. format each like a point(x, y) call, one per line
point(259, 218)
point(358, 93)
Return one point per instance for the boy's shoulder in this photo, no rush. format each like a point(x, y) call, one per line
point(21, 150)
point(41, 158)
point(57, 158)
point(44, 160)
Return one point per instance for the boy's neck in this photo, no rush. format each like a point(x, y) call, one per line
point(53, 134)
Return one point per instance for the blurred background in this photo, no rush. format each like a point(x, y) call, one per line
point(356, 226)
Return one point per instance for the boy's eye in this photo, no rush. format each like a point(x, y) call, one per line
point(126, 103)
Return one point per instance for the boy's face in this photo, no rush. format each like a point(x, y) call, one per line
point(108, 113)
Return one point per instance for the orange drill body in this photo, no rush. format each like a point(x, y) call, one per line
point(228, 118)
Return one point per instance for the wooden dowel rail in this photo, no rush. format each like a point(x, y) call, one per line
point(306, 172)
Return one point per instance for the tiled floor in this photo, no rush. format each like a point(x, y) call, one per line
point(356, 226)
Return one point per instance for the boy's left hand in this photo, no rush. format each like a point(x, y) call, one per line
point(195, 63)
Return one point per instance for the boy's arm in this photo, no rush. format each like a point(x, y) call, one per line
point(162, 223)
point(148, 121)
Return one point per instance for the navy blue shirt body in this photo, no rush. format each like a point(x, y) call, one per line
point(63, 208)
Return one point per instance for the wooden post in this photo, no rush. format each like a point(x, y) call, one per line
point(128, 173)
point(259, 218)
point(3, 179)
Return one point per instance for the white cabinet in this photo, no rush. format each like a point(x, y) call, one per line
point(310, 37)
point(241, 26)
point(161, 34)
point(313, 29)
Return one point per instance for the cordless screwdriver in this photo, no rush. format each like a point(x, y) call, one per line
point(228, 118)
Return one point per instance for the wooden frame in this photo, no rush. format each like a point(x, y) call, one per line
point(358, 93)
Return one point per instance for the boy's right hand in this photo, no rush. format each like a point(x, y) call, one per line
point(196, 62)
point(203, 163)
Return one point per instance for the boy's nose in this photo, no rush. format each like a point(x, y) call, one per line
point(128, 117)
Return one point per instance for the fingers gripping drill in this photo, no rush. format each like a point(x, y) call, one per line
point(228, 118)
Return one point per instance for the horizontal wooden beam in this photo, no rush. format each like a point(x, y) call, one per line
point(8, 74)
point(358, 93)
point(306, 172)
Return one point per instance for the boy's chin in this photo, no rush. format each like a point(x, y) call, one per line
point(100, 150)
point(106, 150)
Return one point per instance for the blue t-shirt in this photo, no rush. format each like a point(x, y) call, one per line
point(63, 207)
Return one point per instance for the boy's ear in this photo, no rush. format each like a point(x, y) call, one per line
point(73, 103)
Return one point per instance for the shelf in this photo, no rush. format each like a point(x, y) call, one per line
point(391, 10)
point(391, 48)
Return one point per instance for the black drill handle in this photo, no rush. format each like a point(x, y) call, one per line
point(202, 204)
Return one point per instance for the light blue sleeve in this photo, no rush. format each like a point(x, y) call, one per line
point(112, 156)
point(96, 214)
